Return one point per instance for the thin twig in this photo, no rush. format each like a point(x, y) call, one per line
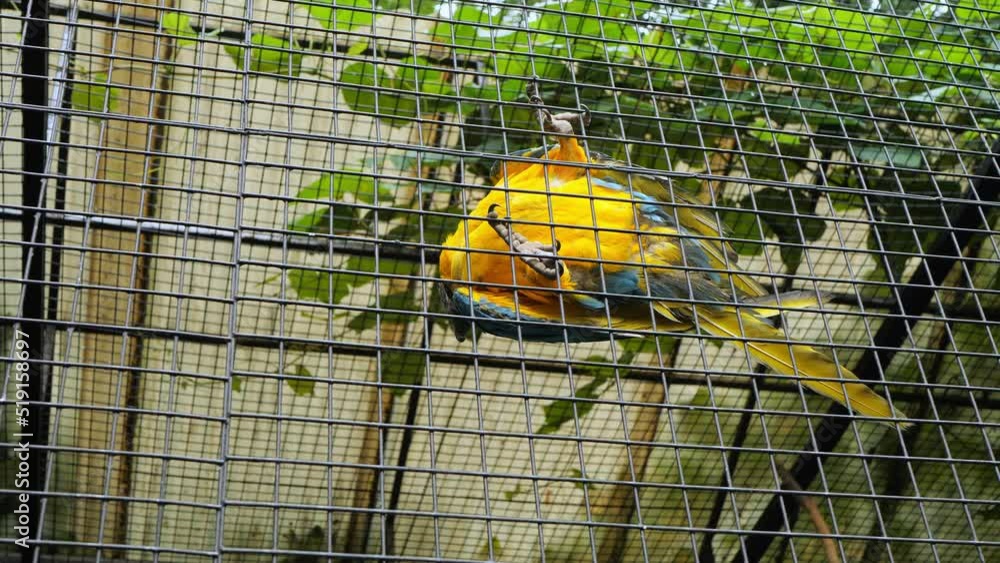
point(809, 504)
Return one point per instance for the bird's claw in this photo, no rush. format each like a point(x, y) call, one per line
point(542, 258)
point(566, 123)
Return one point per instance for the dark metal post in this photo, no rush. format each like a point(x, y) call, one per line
point(34, 94)
point(913, 301)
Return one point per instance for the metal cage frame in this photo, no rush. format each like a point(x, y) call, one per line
point(65, 237)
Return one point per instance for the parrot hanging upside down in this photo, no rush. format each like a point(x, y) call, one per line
point(592, 251)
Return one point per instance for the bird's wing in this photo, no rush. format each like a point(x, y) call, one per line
point(541, 316)
point(653, 191)
point(773, 305)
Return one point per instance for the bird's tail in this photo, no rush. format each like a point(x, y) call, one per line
point(772, 305)
point(818, 372)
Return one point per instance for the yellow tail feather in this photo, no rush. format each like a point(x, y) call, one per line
point(819, 372)
point(765, 305)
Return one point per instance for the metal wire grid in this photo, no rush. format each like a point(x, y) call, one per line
point(235, 369)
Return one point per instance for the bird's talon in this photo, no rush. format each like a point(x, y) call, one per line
point(561, 123)
point(539, 257)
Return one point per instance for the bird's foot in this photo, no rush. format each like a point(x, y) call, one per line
point(542, 258)
point(566, 123)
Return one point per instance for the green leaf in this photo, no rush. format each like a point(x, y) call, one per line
point(844, 177)
point(313, 540)
point(577, 474)
point(403, 368)
point(178, 25)
point(514, 493)
point(599, 372)
point(786, 227)
point(428, 84)
point(333, 186)
point(358, 48)
point(772, 135)
point(664, 58)
point(302, 388)
point(742, 225)
point(313, 286)
point(897, 156)
point(507, 90)
point(772, 162)
point(91, 96)
point(366, 89)
point(268, 54)
point(430, 228)
point(310, 285)
point(408, 160)
point(385, 265)
point(631, 347)
point(324, 188)
point(403, 301)
point(345, 219)
point(560, 411)
point(464, 25)
point(990, 513)
point(341, 14)
point(592, 19)
point(791, 257)
point(768, 202)
point(894, 216)
point(975, 12)
point(237, 383)
point(415, 7)
point(702, 397)
point(494, 542)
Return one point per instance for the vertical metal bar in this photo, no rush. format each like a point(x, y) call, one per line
point(413, 403)
point(915, 296)
point(59, 199)
point(34, 94)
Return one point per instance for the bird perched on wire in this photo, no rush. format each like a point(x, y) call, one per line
point(570, 247)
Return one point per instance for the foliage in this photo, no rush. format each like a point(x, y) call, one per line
point(341, 14)
point(559, 412)
point(95, 95)
point(494, 545)
point(313, 539)
point(300, 386)
point(396, 93)
point(267, 54)
point(178, 25)
point(402, 367)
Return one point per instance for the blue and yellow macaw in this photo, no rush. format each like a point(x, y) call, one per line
point(572, 248)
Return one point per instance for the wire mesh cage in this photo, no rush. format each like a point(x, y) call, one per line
point(289, 281)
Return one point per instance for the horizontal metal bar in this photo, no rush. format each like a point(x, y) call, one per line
point(903, 391)
point(388, 249)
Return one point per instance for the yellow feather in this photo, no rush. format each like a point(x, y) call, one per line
point(818, 372)
point(789, 300)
